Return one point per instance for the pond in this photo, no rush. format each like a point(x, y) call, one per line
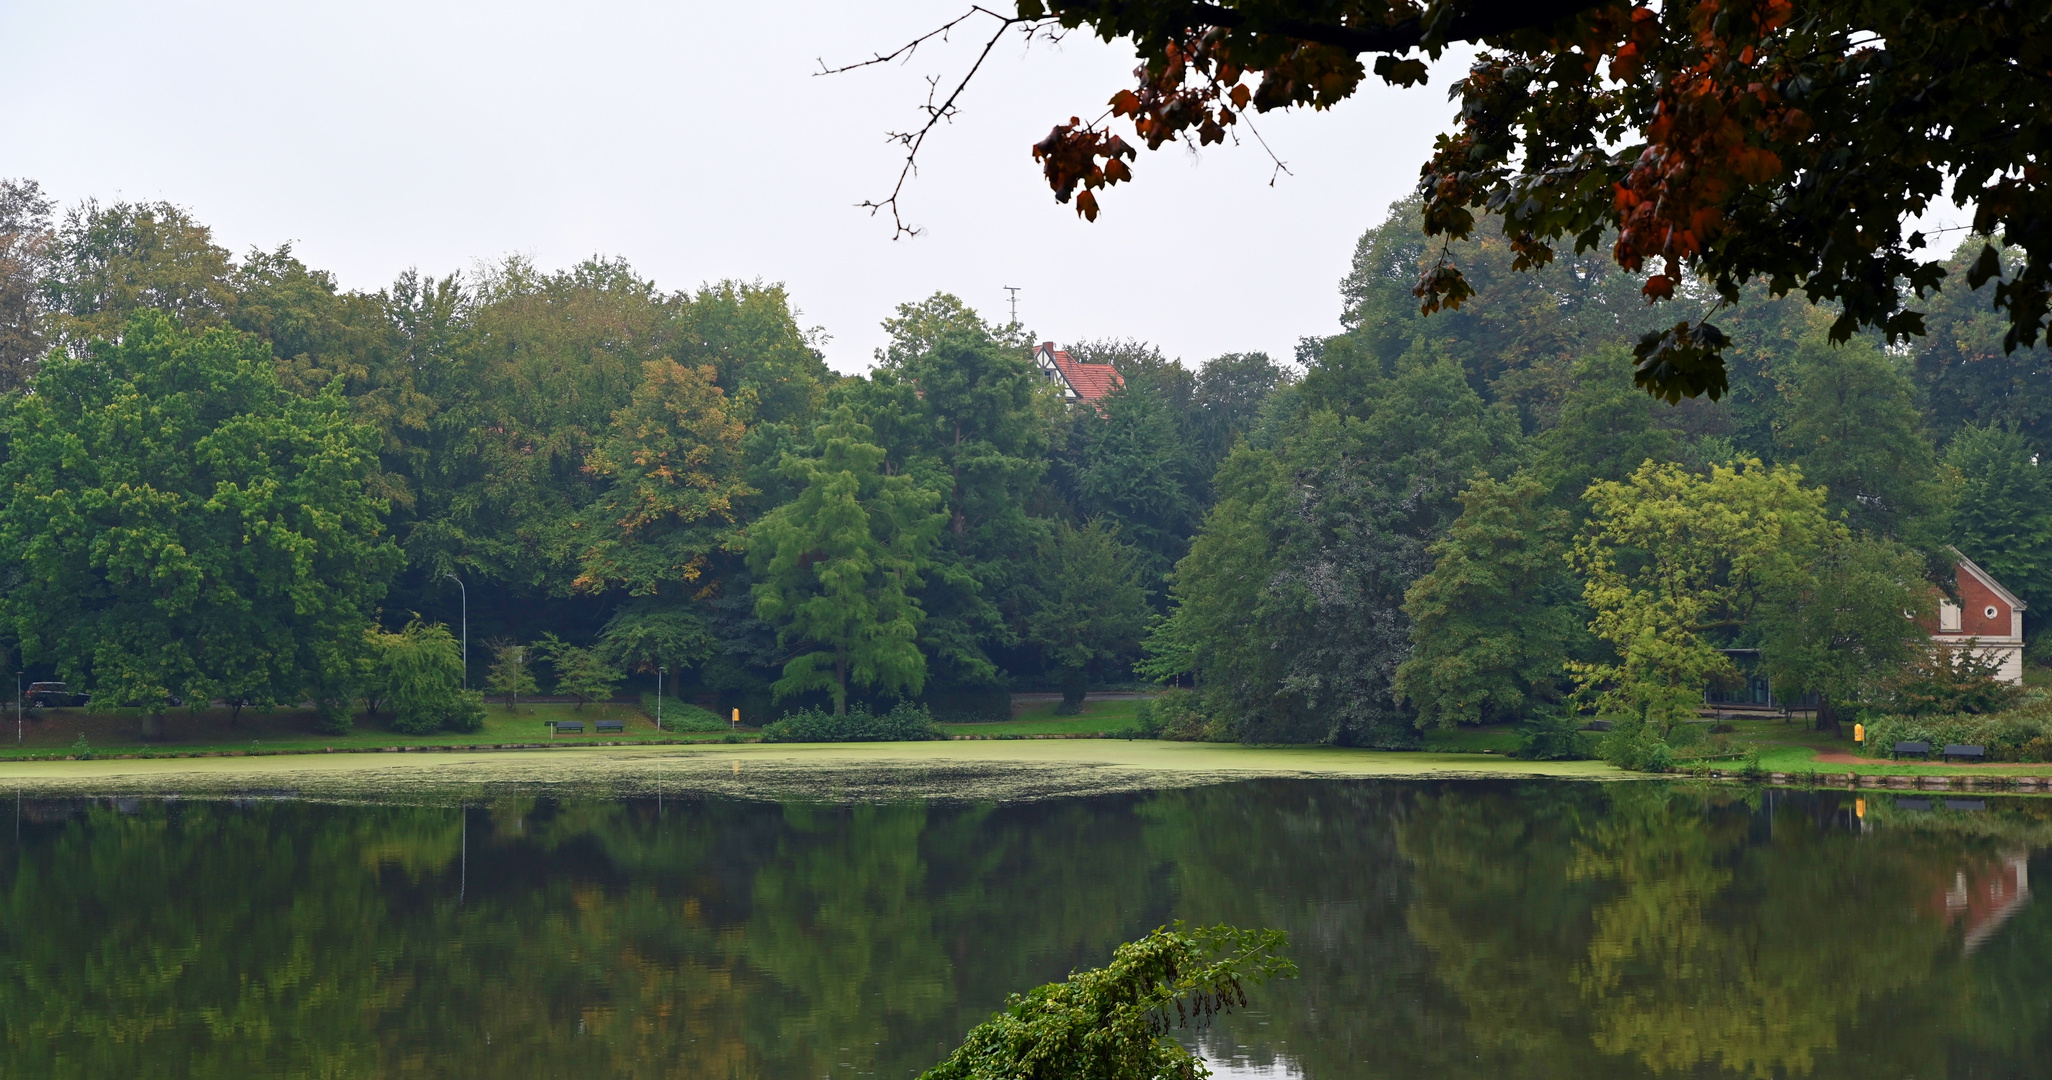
point(1446, 929)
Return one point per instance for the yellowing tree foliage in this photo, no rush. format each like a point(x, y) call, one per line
point(1672, 558)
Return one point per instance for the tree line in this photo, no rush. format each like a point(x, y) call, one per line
point(1475, 516)
point(231, 479)
point(228, 478)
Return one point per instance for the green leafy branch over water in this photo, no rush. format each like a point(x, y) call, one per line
point(1112, 1023)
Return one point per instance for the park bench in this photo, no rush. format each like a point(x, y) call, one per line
point(609, 725)
point(562, 726)
point(1966, 804)
point(1912, 804)
point(1953, 750)
point(1902, 748)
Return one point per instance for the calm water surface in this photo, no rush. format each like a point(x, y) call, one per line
point(1445, 930)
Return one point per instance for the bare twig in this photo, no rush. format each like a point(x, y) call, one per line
point(935, 114)
point(1281, 169)
point(905, 51)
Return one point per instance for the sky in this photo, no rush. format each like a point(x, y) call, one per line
point(696, 141)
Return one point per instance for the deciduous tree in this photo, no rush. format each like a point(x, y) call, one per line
point(1848, 417)
point(580, 673)
point(25, 242)
point(187, 529)
point(960, 409)
point(1677, 564)
point(1845, 627)
point(512, 673)
point(1490, 625)
point(1087, 605)
point(419, 671)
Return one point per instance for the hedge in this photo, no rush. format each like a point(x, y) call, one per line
point(904, 723)
point(2023, 733)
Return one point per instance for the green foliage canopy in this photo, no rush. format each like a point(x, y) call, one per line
point(1490, 630)
point(419, 670)
point(836, 567)
point(185, 528)
point(1112, 1023)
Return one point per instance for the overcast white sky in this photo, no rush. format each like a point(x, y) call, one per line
point(694, 140)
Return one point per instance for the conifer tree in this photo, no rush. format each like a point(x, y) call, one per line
point(836, 568)
point(2003, 514)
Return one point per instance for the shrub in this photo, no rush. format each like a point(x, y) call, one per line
point(332, 716)
point(1636, 745)
point(905, 722)
point(1179, 715)
point(2020, 734)
point(1553, 735)
point(1949, 681)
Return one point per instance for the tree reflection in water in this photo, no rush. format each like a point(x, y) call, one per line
point(1446, 930)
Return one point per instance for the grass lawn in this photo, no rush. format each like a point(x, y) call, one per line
point(1472, 740)
point(1792, 747)
point(55, 732)
point(1040, 719)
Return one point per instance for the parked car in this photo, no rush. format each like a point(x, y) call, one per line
point(52, 695)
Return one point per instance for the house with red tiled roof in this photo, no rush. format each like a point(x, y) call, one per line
point(1988, 619)
point(1078, 381)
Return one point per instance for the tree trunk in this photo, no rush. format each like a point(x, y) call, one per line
point(1827, 717)
point(1075, 685)
point(153, 726)
point(841, 684)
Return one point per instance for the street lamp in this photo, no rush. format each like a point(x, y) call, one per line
point(659, 696)
point(466, 627)
point(17, 708)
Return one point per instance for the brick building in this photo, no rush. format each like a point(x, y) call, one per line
point(1988, 618)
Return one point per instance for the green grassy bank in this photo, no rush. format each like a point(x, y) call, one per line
point(1110, 717)
point(55, 733)
point(53, 736)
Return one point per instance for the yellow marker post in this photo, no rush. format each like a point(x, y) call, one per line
point(1860, 809)
point(737, 719)
point(1859, 733)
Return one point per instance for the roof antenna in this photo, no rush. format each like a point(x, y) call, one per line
point(1014, 290)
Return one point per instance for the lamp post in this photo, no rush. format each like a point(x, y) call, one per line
point(659, 696)
point(466, 627)
point(17, 708)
